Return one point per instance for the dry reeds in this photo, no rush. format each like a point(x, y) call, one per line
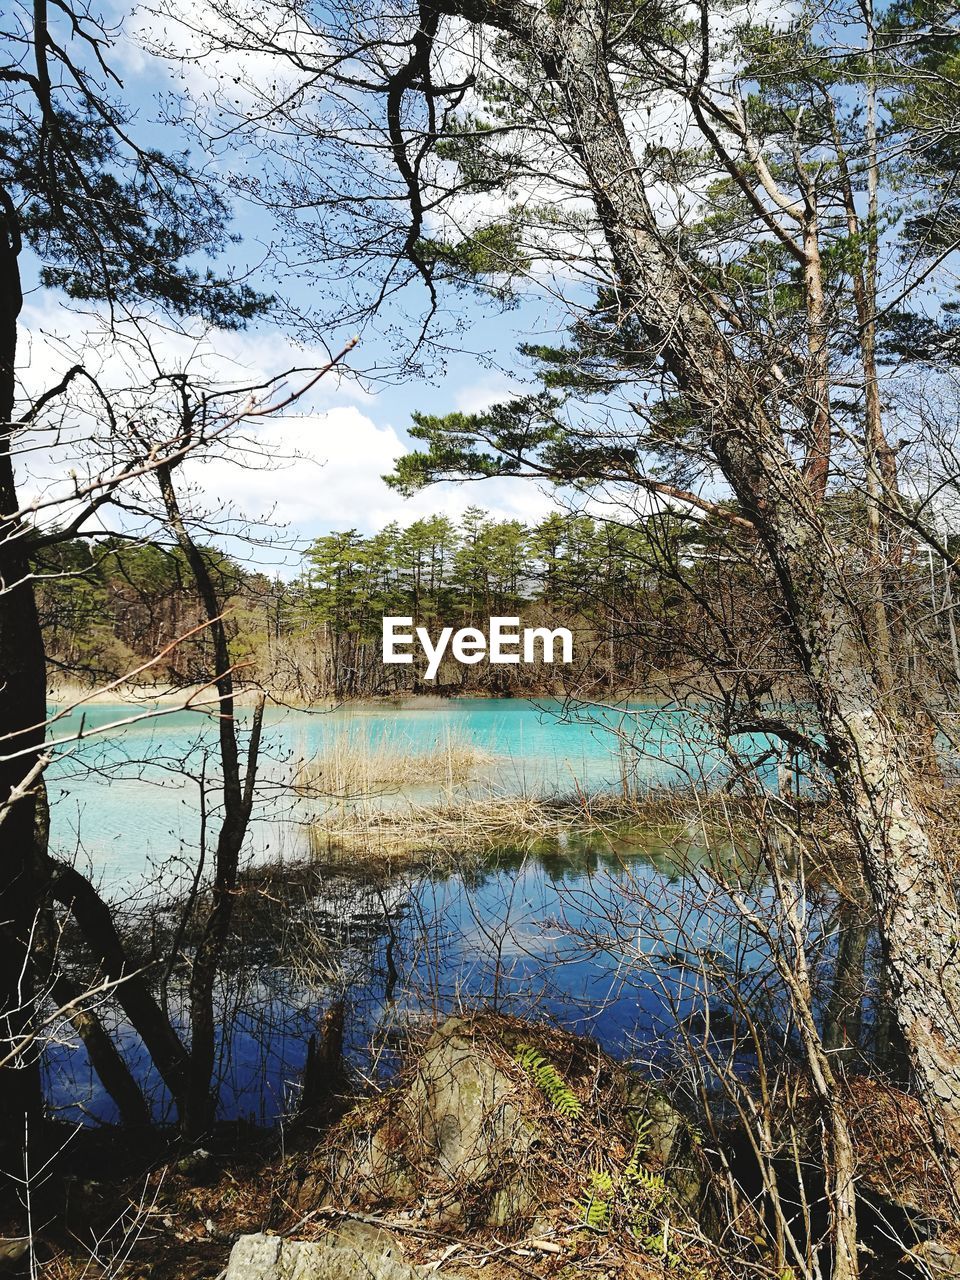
point(466, 824)
point(353, 765)
point(458, 824)
point(384, 798)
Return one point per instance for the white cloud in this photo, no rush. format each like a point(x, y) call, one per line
point(325, 469)
point(205, 43)
point(478, 396)
point(328, 475)
point(311, 472)
point(120, 354)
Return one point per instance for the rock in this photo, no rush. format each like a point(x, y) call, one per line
point(470, 1120)
point(456, 1134)
point(470, 1140)
point(198, 1166)
point(12, 1251)
point(467, 1106)
point(367, 1236)
point(670, 1138)
point(261, 1257)
point(936, 1260)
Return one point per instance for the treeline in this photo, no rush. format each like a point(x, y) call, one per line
point(109, 605)
point(590, 576)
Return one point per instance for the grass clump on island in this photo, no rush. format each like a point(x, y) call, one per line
point(386, 799)
point(353, 765)
point(451, 825)
point(456, 824)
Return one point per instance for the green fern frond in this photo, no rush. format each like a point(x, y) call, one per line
point(633, 1170)
point(639, 1180)
point(596, 1209)
point(658, 1243)
point(549, 1081)
point(645, 1180)
point(642, 1133)
point(596, 1214)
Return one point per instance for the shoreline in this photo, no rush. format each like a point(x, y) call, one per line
point(203, 697)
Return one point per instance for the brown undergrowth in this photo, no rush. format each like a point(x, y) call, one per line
point(178, 1219)
point(514, 1148)
point(575, 1129)
point(461, 823)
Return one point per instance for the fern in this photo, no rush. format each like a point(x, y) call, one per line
point(549, 1081)
point(640, 1181)
point(657, 1244)
point(645, 1192)
point(597, 1207)
point(596, 1214)
point(641, 1134)
point(651, 1185)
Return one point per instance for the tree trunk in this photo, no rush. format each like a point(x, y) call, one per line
point(324, 1074)
point(843, 1020)
point(22, 715)
point(237, 804)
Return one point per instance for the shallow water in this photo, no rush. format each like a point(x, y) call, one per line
point(120, 800)
point(593, 937)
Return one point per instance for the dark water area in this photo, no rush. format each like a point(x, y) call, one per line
point(602, 935)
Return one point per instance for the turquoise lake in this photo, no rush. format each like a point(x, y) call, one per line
point(591, 932)
point(121, 802)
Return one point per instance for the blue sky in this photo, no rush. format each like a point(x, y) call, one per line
point(350, 432)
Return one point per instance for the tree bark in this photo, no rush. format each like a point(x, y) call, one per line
point(22, 715)
point(237, 804)
point(843, 1020)
point(820, 428)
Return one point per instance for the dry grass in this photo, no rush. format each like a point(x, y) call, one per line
point(468, 824)
point(362, 1164)
point(63, 693)
point(457, 824)
point(354, 766)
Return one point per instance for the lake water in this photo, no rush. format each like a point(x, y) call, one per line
point(122, 803)
point(595, 933)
